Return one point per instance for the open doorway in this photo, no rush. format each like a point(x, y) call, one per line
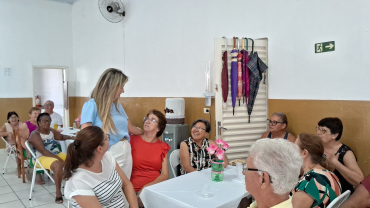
point(49, 83)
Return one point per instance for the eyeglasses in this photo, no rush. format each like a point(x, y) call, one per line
point(273, 123)
point(199, 128)
point(321, 130)
point(253, 169)
point(108, 137)
point(151, 120)
point(47, 105)
point(13, 117)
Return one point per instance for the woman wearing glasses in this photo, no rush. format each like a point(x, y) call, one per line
point(278, 124)
point(149, 154)
point(340, 156)
point(104, 110)
point(193, 151)
point(10, 131)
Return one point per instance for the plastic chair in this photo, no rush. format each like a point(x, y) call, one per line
point(10, 152)
point(174, 160)
point(36, 167)
point(339, 200)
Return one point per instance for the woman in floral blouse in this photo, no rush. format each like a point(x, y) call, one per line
point(193, 151)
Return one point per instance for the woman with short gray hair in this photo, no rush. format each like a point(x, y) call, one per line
point(273, 169)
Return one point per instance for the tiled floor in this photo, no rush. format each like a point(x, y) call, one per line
point(14, 193)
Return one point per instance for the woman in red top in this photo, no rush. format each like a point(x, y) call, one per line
point(149, 154)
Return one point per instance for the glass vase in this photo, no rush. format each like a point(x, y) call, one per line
point(217, 173)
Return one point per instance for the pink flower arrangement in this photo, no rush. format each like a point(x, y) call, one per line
point(218, 149)
point(78, 121)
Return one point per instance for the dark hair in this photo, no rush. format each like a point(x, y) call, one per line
point(283, 118)
point(334, 124)
point(10, 115)
point(162, 121)
point(313, 144)
point(206, 123)
point(82, 150)
point(42, 115)
point(34, 109)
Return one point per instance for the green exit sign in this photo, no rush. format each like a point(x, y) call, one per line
point(324, 47)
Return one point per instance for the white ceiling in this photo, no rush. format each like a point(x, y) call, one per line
point(65, 1)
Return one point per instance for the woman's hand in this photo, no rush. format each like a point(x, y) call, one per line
point(332, 158)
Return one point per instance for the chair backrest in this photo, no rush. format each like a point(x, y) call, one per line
point(339, 200)
point(174, 161)
point(30, 148)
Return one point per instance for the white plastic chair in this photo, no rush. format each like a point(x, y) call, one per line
point(12, 151)
point(174, 160)
point(36, 167)
point(339, 200)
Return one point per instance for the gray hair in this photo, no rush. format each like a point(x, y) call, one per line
point(281, 160)
point(283, 118)
point(50, 101)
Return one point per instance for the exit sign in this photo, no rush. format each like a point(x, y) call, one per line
point(324, 47)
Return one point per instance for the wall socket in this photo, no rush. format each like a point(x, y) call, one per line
point(206, 110)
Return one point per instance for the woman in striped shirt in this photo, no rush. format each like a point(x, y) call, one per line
point(93, 177)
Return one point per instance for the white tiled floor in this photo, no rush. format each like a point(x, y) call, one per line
point(14, 193)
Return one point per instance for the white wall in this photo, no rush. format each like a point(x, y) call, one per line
point(32, 32)
point(167, 43)
point(48, 85)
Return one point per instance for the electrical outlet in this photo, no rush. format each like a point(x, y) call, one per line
point(206, 110)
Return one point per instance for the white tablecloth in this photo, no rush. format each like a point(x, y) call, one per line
point(185, 191)
point(69, 132)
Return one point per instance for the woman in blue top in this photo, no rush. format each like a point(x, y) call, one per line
point(104, 110)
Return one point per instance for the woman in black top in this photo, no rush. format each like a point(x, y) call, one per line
point(340, 155)
point(277, 125)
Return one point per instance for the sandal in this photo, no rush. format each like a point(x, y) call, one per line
point(59, 200)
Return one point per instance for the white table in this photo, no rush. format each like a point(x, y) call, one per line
point(185, 191)
point(69, 132)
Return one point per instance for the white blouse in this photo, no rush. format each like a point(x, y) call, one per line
point(106, 186)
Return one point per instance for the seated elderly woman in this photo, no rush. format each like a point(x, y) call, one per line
point(278, 123)
point(273, 166)
point(340, 156)
point(26, 129)
point(149, 154)
point(43, 140)
point(318, 187)
point(193, 151)
point(29, 126)
point(10, 131)
point(93, 176)
point(361, 197)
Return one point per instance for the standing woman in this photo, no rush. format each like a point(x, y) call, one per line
point(104, 110)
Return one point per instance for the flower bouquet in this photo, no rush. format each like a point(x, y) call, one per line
point(78, 122)
point(218, 150)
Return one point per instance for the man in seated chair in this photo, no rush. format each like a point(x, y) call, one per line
point(43, 139)
point(55, 117)
point(273, 167)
